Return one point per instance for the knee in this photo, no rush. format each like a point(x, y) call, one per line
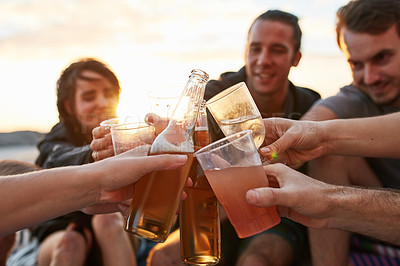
point(267, 249)
point(254, 259)
point(110, 223)
point(66, 243)
point(73, 241)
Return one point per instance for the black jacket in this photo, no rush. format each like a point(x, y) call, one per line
point(297, 102)
point(61, 147)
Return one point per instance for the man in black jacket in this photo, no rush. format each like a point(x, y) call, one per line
point(272, 49)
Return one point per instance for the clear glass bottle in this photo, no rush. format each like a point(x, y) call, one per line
point(157, 195)
point(199, 216)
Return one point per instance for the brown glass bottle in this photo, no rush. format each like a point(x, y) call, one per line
point(199, 217)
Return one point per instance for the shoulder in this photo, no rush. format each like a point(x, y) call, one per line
point(58, 132)
point(307, 94)
point(303, 99)
point(350, 102)
point(225, 80)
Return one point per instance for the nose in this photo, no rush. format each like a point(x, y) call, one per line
point(371, 74)
point(264, 58)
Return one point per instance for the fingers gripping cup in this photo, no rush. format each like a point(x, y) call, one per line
point(232, 167)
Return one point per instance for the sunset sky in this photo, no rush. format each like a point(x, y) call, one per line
point(150, 44)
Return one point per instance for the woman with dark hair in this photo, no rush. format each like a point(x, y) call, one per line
point(87, 93)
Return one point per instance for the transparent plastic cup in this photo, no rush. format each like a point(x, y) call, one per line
point(233, 166)
point(162, 105)
point(132, 135)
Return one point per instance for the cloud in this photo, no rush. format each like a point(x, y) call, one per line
point(46, 28)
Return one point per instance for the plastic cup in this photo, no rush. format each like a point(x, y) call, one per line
point(232, 166)
point(115, 121)
point(162, 105)
point(133, 135)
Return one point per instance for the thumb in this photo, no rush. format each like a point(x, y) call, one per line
point(281, 145)
point(269, 196)
point(161, 162)
point(262, 197)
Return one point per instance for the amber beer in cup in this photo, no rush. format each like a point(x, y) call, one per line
point(232, 166)
point(155, 217)
point(132, 135)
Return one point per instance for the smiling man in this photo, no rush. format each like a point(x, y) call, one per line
point(272, 49)
point(368, 32)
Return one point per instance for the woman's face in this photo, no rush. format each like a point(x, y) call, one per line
point(95, 100)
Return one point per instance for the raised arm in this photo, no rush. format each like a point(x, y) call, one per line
point(34, 197)
point(299, 141)
point(321, 205)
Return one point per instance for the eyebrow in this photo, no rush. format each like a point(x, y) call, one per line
point(88, 78)
point(88, 92)
point(383, 51)
point(273, 45)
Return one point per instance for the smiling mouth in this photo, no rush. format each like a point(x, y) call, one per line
point(263, 75)
point(379, 89)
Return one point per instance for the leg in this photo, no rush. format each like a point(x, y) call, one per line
point(267, 249)
point(283, 244)
point(331, 247)
point(6, 245)
point(114, 242)
point(167, 253)
point(63, 248)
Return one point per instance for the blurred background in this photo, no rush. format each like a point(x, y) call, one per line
point(150, 44)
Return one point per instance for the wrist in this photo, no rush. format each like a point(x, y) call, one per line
point(86, 180)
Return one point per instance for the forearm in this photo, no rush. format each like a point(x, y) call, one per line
point(371, 212)
point(39, 196)
point(375, 136)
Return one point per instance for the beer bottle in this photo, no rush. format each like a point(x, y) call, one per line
point(157, 194)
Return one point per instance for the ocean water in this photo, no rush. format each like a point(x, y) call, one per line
point(26, 153)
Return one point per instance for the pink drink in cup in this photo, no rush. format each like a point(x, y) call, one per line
point(232, 167)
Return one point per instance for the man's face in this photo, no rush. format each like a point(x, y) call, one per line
point(94, 101)
point(375, 63)
point(270, 53)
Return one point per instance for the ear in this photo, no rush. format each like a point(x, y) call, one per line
point(296, 59)
point(67, 106)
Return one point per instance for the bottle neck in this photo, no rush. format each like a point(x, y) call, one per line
point(179, 134)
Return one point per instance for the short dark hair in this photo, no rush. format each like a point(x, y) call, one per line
point(67, 82)
point(284, 17)
point(368, 16)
